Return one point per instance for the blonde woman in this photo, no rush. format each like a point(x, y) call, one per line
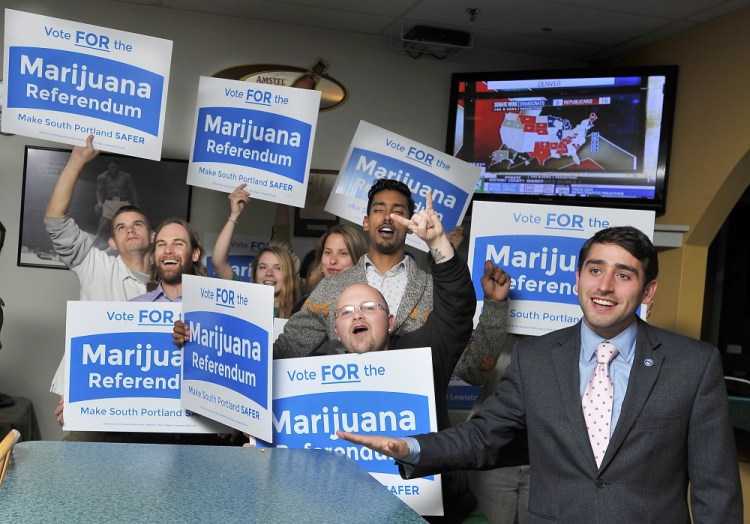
point(273, 266)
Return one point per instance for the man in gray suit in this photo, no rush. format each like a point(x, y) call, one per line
point(666, 430)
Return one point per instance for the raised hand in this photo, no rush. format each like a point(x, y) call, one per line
point(237, 200)
point(84, 154)
point(425, 224)
point(495, 282)
point(393, 447)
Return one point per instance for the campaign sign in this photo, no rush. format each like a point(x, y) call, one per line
point(242, 251)
point(377, 153)
point(461, 394)
point(383, 393)
point(257, 134)
point(123, 372)
point(227, 366)
point(66, 80)
point(538, 247)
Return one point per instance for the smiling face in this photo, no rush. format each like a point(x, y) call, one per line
point(611, 286)
point(173, 256)
point(361, 332)
point(268, 272)
point(130, 233)
point(385, 235)
point(336, 256)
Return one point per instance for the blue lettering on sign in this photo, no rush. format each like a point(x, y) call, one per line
point(92, 41)
point(155, 317)
point(542, 268)
point(225, 297)
point(80, 84)
point(124, 365)
point(564, 221)
point(311, 420)
point(364, 167)
point(340, 374)
point(228, 351)
point(251, 138)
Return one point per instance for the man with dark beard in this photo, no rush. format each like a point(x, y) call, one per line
point(176, 251)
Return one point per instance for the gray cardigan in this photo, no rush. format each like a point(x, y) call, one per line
point(312, 325)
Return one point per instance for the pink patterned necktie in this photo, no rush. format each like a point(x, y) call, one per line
point(597, 401)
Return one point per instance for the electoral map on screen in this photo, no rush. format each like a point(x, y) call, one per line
point(602, 128)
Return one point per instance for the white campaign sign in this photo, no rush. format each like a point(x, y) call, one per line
point(227, 366)
point(538, 246)
point(123, 372)
point(66, 80)
point(377, 153)
point(257, 134)
point(383, 392)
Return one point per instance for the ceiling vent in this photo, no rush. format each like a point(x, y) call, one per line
point(435, 41)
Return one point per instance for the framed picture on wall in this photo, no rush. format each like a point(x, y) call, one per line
point(106, 183)
point(312, 220)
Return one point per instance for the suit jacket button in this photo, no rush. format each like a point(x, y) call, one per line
point(600, 483)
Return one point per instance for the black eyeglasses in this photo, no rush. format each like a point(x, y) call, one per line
point(366, 308)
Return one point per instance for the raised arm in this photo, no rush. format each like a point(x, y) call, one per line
point(62, 193)
point(220, 258)
point(478, 360)
point(427, 226)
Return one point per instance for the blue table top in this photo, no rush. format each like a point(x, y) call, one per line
point(104, 482)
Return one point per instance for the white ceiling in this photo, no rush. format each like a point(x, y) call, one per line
point(583, 30)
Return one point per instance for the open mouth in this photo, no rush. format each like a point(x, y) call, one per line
point(359, 329)
point(387, 230)
point(170, 262)
point(269, 282)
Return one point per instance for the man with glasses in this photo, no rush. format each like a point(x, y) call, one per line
point(406, 288)
point(363, 323)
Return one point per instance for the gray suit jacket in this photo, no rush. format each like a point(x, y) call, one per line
point(673, 430)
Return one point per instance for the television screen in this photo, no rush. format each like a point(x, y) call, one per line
point(106, 183)
point(584, 137)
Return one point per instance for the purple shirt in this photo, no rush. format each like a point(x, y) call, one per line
point(157, 295)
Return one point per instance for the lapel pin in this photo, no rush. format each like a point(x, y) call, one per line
point(648, 362)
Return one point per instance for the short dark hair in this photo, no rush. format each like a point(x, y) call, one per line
point(130, 209)
point(388, 184)
point(632, 240)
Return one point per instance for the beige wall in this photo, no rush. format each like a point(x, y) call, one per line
point(710, 168)
point(386, 88)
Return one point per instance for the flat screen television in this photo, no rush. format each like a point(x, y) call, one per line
point(590, 137)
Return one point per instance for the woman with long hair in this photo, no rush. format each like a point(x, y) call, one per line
point(273, 266)
point(338, 250)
